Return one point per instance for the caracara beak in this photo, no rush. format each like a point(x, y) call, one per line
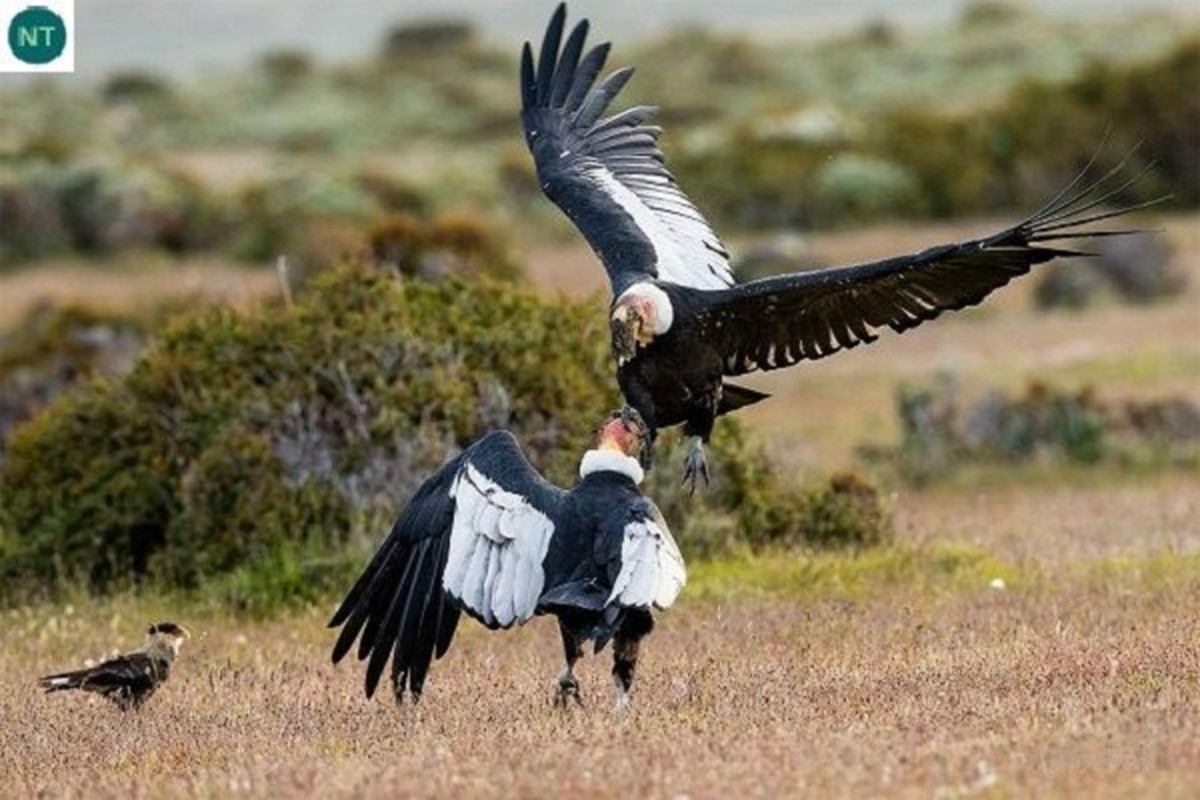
point(186, 633)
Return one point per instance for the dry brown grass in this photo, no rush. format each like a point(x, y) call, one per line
point(1087, 688)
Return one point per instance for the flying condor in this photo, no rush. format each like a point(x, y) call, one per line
point(680, 322)
point(129, 679)
point(486, 535)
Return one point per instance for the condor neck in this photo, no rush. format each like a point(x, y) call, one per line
point(611, 461)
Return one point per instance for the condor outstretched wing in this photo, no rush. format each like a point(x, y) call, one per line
point(775, 322)
point(608, 174)
point(473, 538)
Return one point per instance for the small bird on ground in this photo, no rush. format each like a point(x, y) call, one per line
point(681, 323)
point(129, 679)
point(488, 535)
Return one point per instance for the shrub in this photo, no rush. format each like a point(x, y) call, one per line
point(134, 87)
point(99, 207)
point(857, 186)
point(990, 13)
point(239, 439)
point(939, 432)
point(286, 69)
point(274, 215)
point(426, 36)
point(751, 505)
point(1138, 268)
point(453, 244)
point(1071, 283)
point(53, 349)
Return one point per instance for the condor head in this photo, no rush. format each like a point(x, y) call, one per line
point(642, 312)
point(627, 433)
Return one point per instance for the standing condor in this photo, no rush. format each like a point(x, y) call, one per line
point(129, 679)
point(488, 536)
point(680, 322)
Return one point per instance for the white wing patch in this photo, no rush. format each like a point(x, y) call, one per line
point(497, 544)
point(652, 571)
point(687, 252)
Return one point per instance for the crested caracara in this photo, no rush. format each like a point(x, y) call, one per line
point(129, 679)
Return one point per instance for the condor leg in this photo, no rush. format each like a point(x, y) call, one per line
point(695, 465)
point(635, 625)
point(568, 685)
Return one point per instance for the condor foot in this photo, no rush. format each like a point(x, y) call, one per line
point(568, 690)
point(695, 466)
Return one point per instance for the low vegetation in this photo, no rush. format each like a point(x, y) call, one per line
point(296, 158)
point(262, 455)
point(942, 431)
point(1140, 268)
point(56, 348)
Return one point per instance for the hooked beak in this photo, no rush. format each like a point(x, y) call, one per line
point(625, 325)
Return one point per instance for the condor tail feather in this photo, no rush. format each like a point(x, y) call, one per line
point(734, 397)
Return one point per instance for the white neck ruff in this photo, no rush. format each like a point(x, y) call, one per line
point(611, 461)
point(664, 312)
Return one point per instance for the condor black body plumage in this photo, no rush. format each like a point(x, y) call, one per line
point(486, 535)
point(681, 324)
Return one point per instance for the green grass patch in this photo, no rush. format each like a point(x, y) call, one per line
point(850, 575)
point(1158, 573)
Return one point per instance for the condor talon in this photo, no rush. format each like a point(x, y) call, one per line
point(695, 466)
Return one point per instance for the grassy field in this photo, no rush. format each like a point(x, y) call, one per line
point(1075, 681)
point(902, 671)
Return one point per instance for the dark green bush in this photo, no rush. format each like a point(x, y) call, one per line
point(1154, 105)
point(916, 161)
point(238, 439)
point(751, 504)
point(134, 86)
point(54, 348)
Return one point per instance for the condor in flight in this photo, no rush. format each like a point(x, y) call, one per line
point(680, 322)
point(128, 680)
point(488, 536)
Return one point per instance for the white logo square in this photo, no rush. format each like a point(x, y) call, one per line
point(37, 35)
